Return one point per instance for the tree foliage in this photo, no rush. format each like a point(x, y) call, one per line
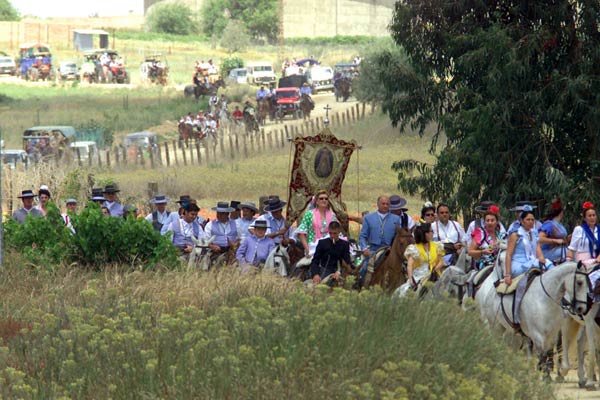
point(229, 63)
point(235, 37)
point(513, 88)
point(260, 17)
point(8, 12)
point(173, 18)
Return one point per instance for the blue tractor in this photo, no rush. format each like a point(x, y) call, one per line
point(35, 62)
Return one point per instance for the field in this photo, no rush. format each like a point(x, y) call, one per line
point(68, 332)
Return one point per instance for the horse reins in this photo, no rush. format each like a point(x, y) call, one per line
point(570, 306)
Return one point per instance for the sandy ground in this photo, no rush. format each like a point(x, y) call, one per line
point(570, 389)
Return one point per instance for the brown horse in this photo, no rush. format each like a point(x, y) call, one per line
point(343, 89)
point(264, 107)
point(306, 105)
point(390, 273)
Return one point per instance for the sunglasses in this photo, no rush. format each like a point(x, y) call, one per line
point(429, 215)
point(323, 198)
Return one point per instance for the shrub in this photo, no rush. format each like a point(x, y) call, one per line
point(235, 37)
point(230, 63)
point(239, 93)
point(98, 241)
point(174, 18)
point(309, 345)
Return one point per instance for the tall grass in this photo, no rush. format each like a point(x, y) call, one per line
point(222, 335)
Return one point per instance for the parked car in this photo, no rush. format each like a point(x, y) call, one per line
point(260, 73)
point(143, 139)
point(67, 71)
point(13, 157)
point(320, 78)
point(87, 149)
point(238, 75)
point(288, 102)
point(8, 65)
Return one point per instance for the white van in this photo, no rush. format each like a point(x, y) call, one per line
point(87, 149)
point(320, 78)
point(260, 73)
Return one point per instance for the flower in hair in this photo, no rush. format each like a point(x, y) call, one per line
point(494, 209)
point(587, 205)
point(556, 204)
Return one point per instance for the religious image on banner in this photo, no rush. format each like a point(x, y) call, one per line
point(320, 163)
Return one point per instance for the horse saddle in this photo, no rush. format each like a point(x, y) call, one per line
point(477, 279)
point(377, 258)
point(504, 289)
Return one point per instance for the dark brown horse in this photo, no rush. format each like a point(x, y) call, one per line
point(390, 273)
point(343, 89)
point(306, 105)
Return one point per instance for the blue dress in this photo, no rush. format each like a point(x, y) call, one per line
point(554, 230)
point(524, 257)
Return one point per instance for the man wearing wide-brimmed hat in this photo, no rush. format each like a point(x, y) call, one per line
point(255, 248)
point(478, 222)
point(185, 228)
point(21, 214)
point(98, 196)
point(223, 229)
point(248, 210)
point(518, 209)
point(398, 207)
point(235, 214)
point(114, 207)
point(160, 215)
point(277, 226)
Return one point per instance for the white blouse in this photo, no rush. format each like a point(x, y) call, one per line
point(579, 240)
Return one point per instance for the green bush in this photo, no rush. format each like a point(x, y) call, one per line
point(239, 93)
point(344, 345)
point(230, 63)
point(98, 241)
point(172, 18)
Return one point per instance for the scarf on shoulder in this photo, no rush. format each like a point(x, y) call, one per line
point(593, 243)
point(433, 256)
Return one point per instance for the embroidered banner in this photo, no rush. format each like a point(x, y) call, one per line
point(320, 162)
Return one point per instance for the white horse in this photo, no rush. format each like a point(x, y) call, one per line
point(278, 261)
point(542, 307)
point(200, 255)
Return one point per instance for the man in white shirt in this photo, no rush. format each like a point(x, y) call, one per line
point(222, 228)
point(450, 233)
point(161, 215)
point(277, 224)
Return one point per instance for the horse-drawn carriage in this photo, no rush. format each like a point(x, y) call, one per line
point(155, 69)
point(35, 62)
point(104, 65)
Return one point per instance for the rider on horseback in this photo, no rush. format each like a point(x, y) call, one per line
point(306, 91)
point(261, 95)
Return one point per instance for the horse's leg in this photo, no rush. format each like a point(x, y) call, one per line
point(581, 342)
point(569, 330)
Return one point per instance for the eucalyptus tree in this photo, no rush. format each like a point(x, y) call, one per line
point(513, 90)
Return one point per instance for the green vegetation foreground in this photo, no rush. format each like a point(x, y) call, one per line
point(179, 334)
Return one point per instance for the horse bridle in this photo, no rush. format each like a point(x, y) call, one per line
point(571, 306)
point(286, 261)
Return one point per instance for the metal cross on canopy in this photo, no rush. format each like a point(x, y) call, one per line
point(326, 120)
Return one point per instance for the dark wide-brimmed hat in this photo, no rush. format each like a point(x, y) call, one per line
point(249, 205)
point(98, 194)
point(521, 206)
point(111, 189)
point(160, 199)
point(26, 194)
point(222, 206)
point(234, 204)
point(274, 204)
point(260, 223)
point(397, 202)
point(184, 199)
point(484, 206)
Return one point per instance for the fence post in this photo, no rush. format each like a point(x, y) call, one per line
point(125, 155)
point(337, 118)
point(348, 116)
point(167, 156)
point(192, 154)
point(99, 159)
point(237, 144)
point(108, 158)
point(262, 138)
point(198, 154)
point(353, 117)
point(205, 145)
point(184, 157)
point(116, 156)
point(287, 133)
point(245, 146)
point(231, 153)
point(221, 146)
point(90, 159)
point(140, 151)
point(152, 157)
point(363, 111)
point(175, 152)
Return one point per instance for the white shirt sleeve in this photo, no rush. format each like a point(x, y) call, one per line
point(577, 239)
point(208, 229)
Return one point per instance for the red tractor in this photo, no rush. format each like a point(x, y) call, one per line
point(288, 103)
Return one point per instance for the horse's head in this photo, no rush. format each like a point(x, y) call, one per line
point(577, 289)
point(279, 260)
